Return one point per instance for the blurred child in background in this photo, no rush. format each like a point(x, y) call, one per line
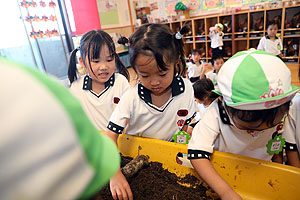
point(195, 67)
point(216, 35)
point(211, 70)
point(271, 43)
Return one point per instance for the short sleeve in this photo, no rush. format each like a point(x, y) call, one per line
point(121, 113)
point(206, 131)
point(261, 44)
point(290, 126)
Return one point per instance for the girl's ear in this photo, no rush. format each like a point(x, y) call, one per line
point(81, 62)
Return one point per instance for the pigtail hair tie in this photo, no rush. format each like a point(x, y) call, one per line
point(178, 36)
point(124, 41)
point(185, 29)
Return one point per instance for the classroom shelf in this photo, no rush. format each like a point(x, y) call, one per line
point(243, 30)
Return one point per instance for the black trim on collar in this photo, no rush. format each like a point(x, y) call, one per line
point(223, 114)
point(198, 154)
point(87, 82)
point(268, 37)
point(111, 81)
point(144, 93)
point(177, 85)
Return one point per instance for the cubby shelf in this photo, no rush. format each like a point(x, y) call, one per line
point(243, 30)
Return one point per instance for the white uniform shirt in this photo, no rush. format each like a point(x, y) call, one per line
point(216, 39)
point(271, 46)
point(201, 111)
point(292, 125)
point(211, 133)
point(147, 120)
point(214, 78)
point(194, 70)
point(99, 107)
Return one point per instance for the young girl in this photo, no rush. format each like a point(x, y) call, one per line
point(163, 102)
point(204, 95)
point(195, 67)
point(249, 118)
point(292, 132)
point(101, 89)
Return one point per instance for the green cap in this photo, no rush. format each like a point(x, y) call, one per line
point(48, 141)
point(255, 80)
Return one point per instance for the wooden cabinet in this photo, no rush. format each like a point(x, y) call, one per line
point(243, 30)
point(291, 34)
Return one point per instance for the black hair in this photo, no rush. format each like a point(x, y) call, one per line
point(90, 47)
point(193, 52)
point(123, 40)
point(203, 88)
point(216, 57)
point(267, 115)
point(272, 22)
point(159, 41)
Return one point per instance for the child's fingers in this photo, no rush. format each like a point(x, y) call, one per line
point(121, 194)
point(129, 193)
point(113, 193)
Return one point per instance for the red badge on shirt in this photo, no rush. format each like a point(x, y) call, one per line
point(180, 123)
point(182, 113)
point(116, 100)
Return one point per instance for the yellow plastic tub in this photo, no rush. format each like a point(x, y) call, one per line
point(251, 178)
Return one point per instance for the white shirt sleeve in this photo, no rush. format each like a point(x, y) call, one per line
point(290, 132)
point(123, 111)
point(210, 75)
point(206, 131)
point(261, 44)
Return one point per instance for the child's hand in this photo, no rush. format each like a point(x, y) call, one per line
point(120, 188)
point(211, 29)
point(207, 67)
